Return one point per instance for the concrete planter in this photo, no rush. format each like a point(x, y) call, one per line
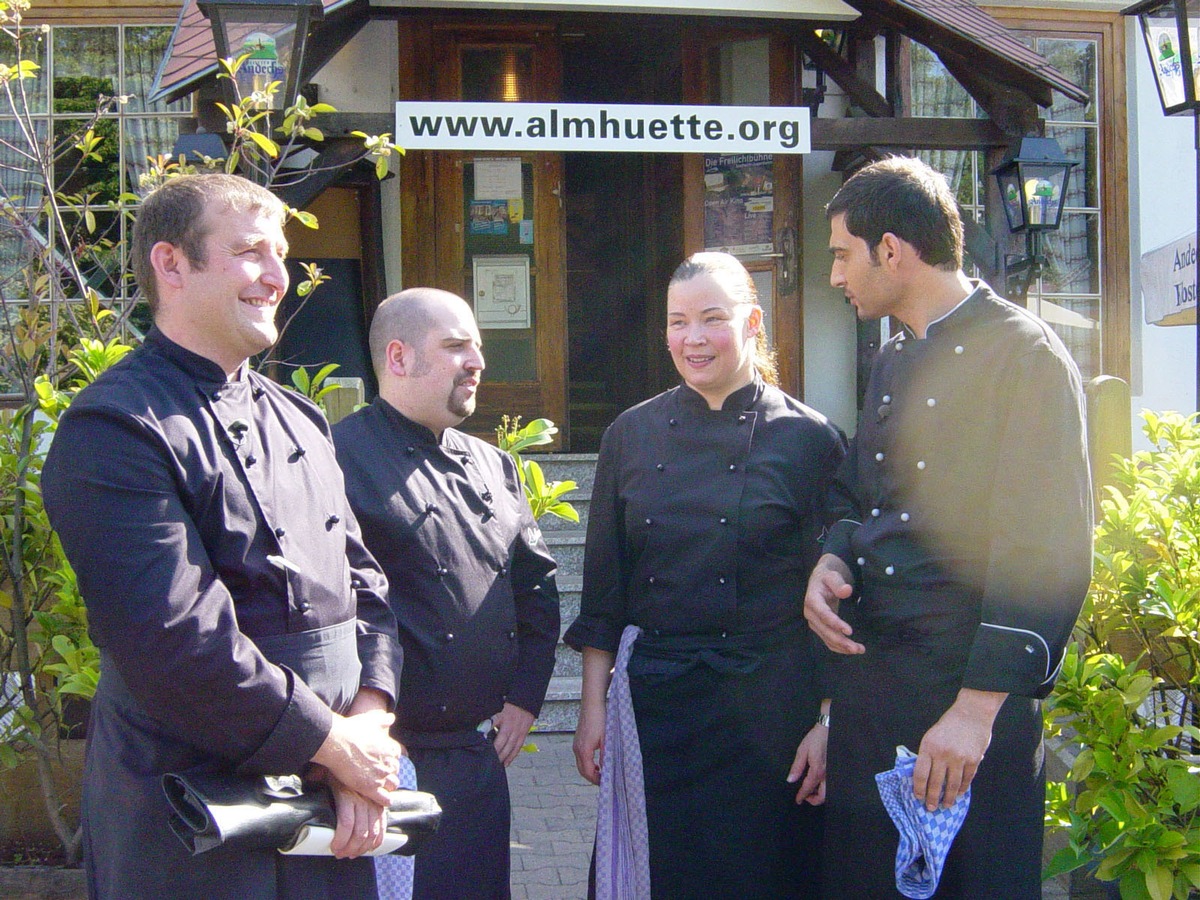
point(42, 883)
point(22, 812)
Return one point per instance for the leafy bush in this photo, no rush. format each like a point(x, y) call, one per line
point(545, 497)
point(1130, 686)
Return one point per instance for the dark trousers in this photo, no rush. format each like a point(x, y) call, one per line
point(892, 697)
point(468, 857)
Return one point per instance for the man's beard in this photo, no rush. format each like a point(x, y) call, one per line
point(460, 406)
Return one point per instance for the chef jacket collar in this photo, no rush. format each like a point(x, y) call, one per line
point(198, 367)
point(960, 314)
point(741, 399)
point(416, 432)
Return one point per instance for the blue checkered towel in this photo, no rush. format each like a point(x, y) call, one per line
point(393, 873)
point(925, 837)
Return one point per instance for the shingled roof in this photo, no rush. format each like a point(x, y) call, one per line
point(963, 28)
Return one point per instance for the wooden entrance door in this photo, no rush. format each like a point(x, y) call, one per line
point(750, 69)
point(503, 253)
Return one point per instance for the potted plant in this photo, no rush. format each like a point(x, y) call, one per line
point(1130, 684)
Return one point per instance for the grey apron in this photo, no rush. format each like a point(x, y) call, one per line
point(129, 849)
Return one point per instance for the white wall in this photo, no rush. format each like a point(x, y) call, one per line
point(364, 78)
point(1162, 207)
point(830, 332)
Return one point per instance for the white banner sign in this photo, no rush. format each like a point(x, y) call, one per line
point(1169, 283)
point(600, 127)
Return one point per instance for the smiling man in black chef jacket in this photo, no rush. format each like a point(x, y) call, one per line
point(242, 625)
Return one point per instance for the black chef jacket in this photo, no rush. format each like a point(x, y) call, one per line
point(471, 580)
point(202, 515)
point(969, 475)
point(705, 521)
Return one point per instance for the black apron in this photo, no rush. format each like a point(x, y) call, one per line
point(719, 718)
point(129, 849)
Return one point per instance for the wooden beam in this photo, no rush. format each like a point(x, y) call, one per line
point(1013, 110)
point(921, 134)
point(860, 93)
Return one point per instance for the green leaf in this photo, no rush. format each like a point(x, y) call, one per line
point(564, 511)
point(381, 168)
point(305, 218)
point(264, 143)
point(1160, 883)
point(314, 134)
point(1065, 860)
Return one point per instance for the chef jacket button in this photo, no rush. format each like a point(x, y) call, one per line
point(332, 520)
point(878, 457)
point(883, 411)
point(298, 451)
point(1029, 648)
point(733, 467)
point(502, 571)
point(721, 580)
point(890, 570)
point(442, 707)
point(449, 635)
point(251, 459)
point(650, 579)
point(487, 496)
point(430, 508)
point(904, 517)
point(304, 606)
point(958, 349)
point(875, 513)
point(512, 635)
point(887, 398)
point(899, 346)
point(862, 560)
point(410, 450)
point(724, 634)
point(921, 464)
point(257, 393)
point(724, 520)
point(442, 571)
point(932, 401)
point(279, 532)
point(649, 521)
point(660, 467)
point(673, 423)
point(741, 419)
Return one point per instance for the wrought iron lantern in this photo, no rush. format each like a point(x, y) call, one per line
point(273, 32)
point(1033, 187)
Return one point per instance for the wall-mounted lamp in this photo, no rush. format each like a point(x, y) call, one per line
point(273, 32)
point(1033, 187)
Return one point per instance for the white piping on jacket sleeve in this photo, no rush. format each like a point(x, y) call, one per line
point(1041, 640)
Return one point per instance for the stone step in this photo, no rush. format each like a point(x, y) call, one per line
point(560, 712)
point(566, 546)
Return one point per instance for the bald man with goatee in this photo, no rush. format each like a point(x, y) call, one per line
point(471, 582)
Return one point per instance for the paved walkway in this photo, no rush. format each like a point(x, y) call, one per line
point(554, 822)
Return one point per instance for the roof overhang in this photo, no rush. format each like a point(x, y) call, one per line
point(807, 10)
point(954, 28)
point(961, 29)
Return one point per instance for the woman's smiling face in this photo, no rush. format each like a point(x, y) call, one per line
point(711, 336)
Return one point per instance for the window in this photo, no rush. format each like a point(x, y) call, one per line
point(1083, 289)
point(78, 65)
